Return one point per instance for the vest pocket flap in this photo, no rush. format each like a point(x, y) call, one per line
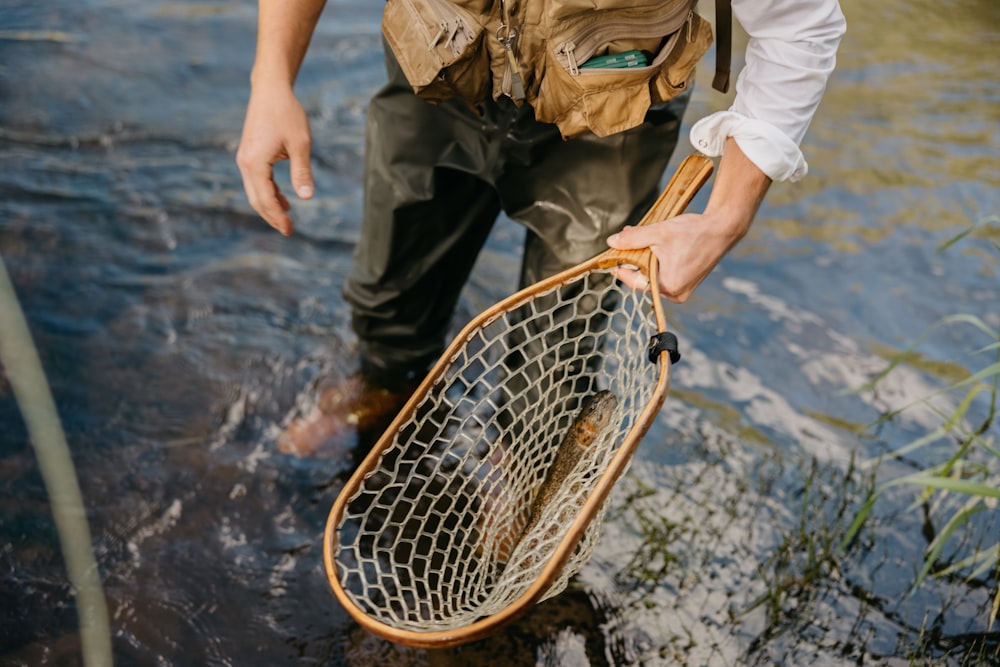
point(580, 98)
point(428, 36)
point(616, 110)
point(606, 102)
point(677, 67)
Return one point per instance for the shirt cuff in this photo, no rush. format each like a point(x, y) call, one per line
point(765, 145)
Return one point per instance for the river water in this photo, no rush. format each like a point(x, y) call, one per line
point(180, 334)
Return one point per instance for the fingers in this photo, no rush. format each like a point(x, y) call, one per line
point(637, 280)
point(301, 172)
point(631, 278)
point(631, 238)
point(285, 204)
point(275, 129)
point(675, 260)
point(265, 196)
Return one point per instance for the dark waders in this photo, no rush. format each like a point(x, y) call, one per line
point(437, 177)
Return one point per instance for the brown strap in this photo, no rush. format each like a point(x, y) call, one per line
point(723, 44)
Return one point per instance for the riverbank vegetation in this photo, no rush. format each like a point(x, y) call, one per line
point(956, 484)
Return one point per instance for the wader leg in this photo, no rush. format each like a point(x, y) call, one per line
point(424, 226)
point(576, 193)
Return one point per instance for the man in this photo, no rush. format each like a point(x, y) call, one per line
point(494, 137)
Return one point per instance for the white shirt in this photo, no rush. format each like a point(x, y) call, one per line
point(790, 55)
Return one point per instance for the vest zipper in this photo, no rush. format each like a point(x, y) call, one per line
point(513, 83)
point(451, 27)
point(582, 45)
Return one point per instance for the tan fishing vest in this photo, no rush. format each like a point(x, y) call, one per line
point(534, 51)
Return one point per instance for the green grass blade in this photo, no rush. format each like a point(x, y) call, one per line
point(996, 600)
point(971, 320)
point(936, 546)
point(981, 561)
point(955, 239)
point(952, 484)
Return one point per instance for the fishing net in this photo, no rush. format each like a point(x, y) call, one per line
point(426, 544)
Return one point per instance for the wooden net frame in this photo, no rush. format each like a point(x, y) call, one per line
point(424, 544)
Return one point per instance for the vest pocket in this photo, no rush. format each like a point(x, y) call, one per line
point(606, 101)
point(440, 48)
point(565, 9)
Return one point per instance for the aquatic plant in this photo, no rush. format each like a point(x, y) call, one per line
point(967, 482)
point(20, 361)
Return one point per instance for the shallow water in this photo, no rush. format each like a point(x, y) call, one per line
point(179, 334)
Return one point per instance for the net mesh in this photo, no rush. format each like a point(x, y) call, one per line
point(432, 538)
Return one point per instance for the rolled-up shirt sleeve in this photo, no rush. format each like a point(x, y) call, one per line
point(791, 53)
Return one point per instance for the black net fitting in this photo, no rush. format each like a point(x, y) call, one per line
point(663, 341)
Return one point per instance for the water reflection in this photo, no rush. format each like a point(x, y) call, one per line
point(180, 335)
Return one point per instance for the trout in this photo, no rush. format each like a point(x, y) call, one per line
point(593, 418)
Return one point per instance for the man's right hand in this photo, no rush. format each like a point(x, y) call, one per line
point(275, 128)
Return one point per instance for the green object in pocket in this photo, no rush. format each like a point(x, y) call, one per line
point(617, 61)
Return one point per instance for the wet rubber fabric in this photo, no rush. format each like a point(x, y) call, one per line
point(436, 179)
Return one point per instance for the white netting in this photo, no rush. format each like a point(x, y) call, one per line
point(432, 538)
